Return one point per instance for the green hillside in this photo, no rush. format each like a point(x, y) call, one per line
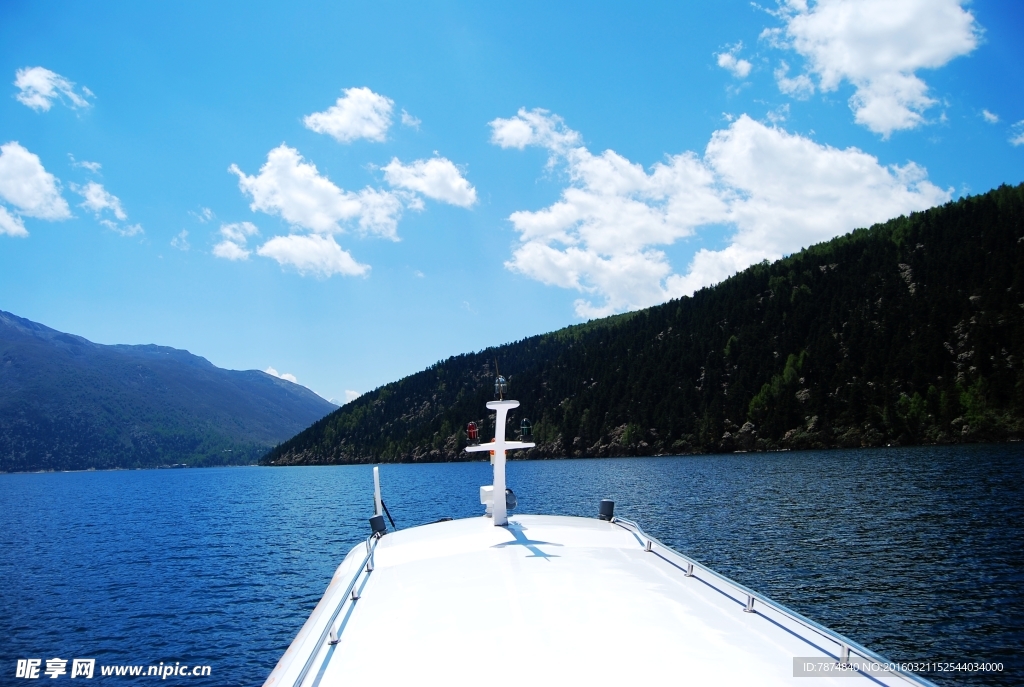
point(908, 332)
point(67, 403)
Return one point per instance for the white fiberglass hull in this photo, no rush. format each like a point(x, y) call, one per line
point(546, 600)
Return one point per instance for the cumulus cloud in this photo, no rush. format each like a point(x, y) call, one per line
point(536, 127)
point(990, 117)
point(123, 230)
point(233, 239)
point(779, 114)
point(436, 178)
point(359, 113)
point(777, 191)
point(11, 224)
point(25, 184)
point(28, 188)
point(351, 395)
point(800, 86)
point(294, 189)
point(737, 67)
point(98, 199)
point(878, 46)
point(1017, 133)
point(273, 373)
point(788, 192)
point(410, 121)
point(238, 231)
point(229, 250)
point(314, 254)
point(38, 87)
point(93, 167)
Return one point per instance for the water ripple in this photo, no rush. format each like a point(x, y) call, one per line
point(915, 553)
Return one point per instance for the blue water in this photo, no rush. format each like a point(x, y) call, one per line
point(916, 553)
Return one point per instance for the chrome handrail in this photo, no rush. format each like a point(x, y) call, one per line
point(834, 636)
point(371, 545)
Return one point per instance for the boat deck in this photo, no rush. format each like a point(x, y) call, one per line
point(548, 600)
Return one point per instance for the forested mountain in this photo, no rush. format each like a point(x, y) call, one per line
point(908, 332)
point(69, 404)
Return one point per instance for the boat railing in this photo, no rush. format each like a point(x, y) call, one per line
point(349, 597)
point(847, 646)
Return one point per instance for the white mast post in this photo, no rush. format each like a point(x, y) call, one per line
point(377, 510)
point(499, 446)
point(498, 509)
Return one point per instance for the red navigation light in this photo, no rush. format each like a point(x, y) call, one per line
point(472, 433)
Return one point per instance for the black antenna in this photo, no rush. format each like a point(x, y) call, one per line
point(384, 506)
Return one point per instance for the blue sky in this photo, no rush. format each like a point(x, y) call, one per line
point(349, 193)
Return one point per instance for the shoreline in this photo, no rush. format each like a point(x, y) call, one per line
point(524, 458)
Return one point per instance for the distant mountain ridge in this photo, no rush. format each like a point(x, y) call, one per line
point(69, 404)
point(909, 332)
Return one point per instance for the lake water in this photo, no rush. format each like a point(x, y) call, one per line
point(917, 553)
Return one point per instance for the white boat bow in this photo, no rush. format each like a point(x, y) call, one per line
point(543, 599)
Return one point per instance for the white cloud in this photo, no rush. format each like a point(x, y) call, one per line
point(38, 87)
point(410, 121)
point(204, 215)
point(233, 240)
point(230, 251)
point(238, 231)
point(779, 114)
point(990, 117)
point(181, 241)
point(126, 230)
point(351, 395)
point(436, 178)
point(778, 192)
point(877, 46)
point(273, 373)
point(788, 192)
point(360, 113)
point(289, 186)
point(99, 199)
point(11, 224)
point(800, 86)
point(93, 167)
point(26, 185)
point(313, 254)
point(380, 212)
point(294, 189)
point(536, 127)
point(1017, 136)
point(727, 60)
